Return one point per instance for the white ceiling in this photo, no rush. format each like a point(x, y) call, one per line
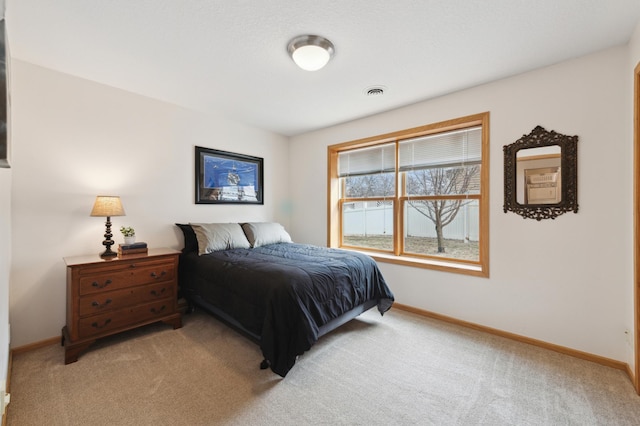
point(229, 56)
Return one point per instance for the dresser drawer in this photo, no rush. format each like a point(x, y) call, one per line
point(153, 274)
point(110, 300)
point(104, 282)
point(126, 276)
point(104, 323)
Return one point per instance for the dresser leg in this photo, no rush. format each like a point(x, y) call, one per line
point(71, 350)
point(175, 321)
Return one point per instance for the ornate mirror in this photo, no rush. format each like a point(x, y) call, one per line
point(541, 175)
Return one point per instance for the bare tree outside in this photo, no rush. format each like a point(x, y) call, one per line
point(442, 181)
point(373, 185)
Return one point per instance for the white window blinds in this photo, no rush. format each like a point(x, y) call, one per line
point(364, 161)
point(456, 148)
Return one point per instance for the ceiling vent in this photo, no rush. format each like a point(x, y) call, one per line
point(375, 91)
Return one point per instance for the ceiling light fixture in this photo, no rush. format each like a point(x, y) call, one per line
point(310, 52)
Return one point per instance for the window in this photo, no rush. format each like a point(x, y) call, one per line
point(416, 197)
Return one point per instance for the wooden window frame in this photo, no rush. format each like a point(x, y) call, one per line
point(334, 227)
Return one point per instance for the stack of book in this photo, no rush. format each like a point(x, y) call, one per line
point(134, 248)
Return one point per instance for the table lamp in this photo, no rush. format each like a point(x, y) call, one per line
point(107, 206)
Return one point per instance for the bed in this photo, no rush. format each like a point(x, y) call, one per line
point(281, 294)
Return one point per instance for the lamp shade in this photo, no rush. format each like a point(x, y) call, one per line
point(310, 52)
point(106, 206)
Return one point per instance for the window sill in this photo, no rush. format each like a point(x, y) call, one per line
point(440, 265)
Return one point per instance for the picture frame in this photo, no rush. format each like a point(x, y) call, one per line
point(224, 177)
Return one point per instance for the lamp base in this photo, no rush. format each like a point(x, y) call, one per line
point(108, 242)
point(108, 253)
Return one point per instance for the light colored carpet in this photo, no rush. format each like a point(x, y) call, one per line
point(399, 369)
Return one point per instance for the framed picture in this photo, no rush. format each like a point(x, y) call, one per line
point(227, 178)
point(4, 158)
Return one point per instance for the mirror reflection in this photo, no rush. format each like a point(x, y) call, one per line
point(539, 175)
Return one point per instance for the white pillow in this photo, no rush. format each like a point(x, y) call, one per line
point(219, 236)
point(263, 233)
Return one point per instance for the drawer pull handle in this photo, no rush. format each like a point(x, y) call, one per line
point(133, 265)
point(156, 276)
point(96, 325)
point(98, 285)
point(98, 305)
point(158, 293)
point(157, 311)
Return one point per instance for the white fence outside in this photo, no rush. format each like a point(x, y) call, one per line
point(359, 219)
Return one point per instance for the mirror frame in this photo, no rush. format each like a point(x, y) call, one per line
point(539, 137)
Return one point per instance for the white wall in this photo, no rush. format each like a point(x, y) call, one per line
point(5, 261)
point(634, 46)
point(564, 281)
point(74, 139)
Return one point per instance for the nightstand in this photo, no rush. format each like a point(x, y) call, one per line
point(108, 296)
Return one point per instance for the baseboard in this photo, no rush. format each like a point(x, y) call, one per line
point(8, 389)
point(37, 345)
point(632, 377)
point(619, 365)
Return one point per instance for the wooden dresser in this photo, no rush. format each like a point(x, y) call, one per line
point(105, 297)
